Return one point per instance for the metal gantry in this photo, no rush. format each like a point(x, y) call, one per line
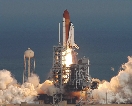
point(57, 68)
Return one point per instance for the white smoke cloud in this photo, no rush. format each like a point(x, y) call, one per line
point(119, 89)
point(11, 92)
point(48, 88)
point(34, 79)
point(6, 79)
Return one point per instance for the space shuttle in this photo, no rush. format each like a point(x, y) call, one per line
point(68, 32)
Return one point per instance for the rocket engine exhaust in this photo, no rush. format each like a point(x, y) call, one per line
point(69, 79)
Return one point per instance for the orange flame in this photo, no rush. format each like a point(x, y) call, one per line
point(67, 63)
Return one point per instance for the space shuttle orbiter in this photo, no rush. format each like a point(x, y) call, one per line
point(68, 31)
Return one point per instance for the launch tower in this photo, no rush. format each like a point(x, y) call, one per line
point(69, 74)
point(57, 69)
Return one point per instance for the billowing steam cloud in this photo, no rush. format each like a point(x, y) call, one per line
point(34, 79)
point(11, 92)
point(119, 89)
point(48, 88)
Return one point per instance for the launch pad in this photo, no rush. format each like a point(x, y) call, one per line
point(70, 75)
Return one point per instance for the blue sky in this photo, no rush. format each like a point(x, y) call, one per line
point(103, 30)
point(90, 14)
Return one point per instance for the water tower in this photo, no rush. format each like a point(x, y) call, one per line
point(29, 64)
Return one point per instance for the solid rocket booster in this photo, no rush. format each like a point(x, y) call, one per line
point(68, 31)
point(66, 24)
